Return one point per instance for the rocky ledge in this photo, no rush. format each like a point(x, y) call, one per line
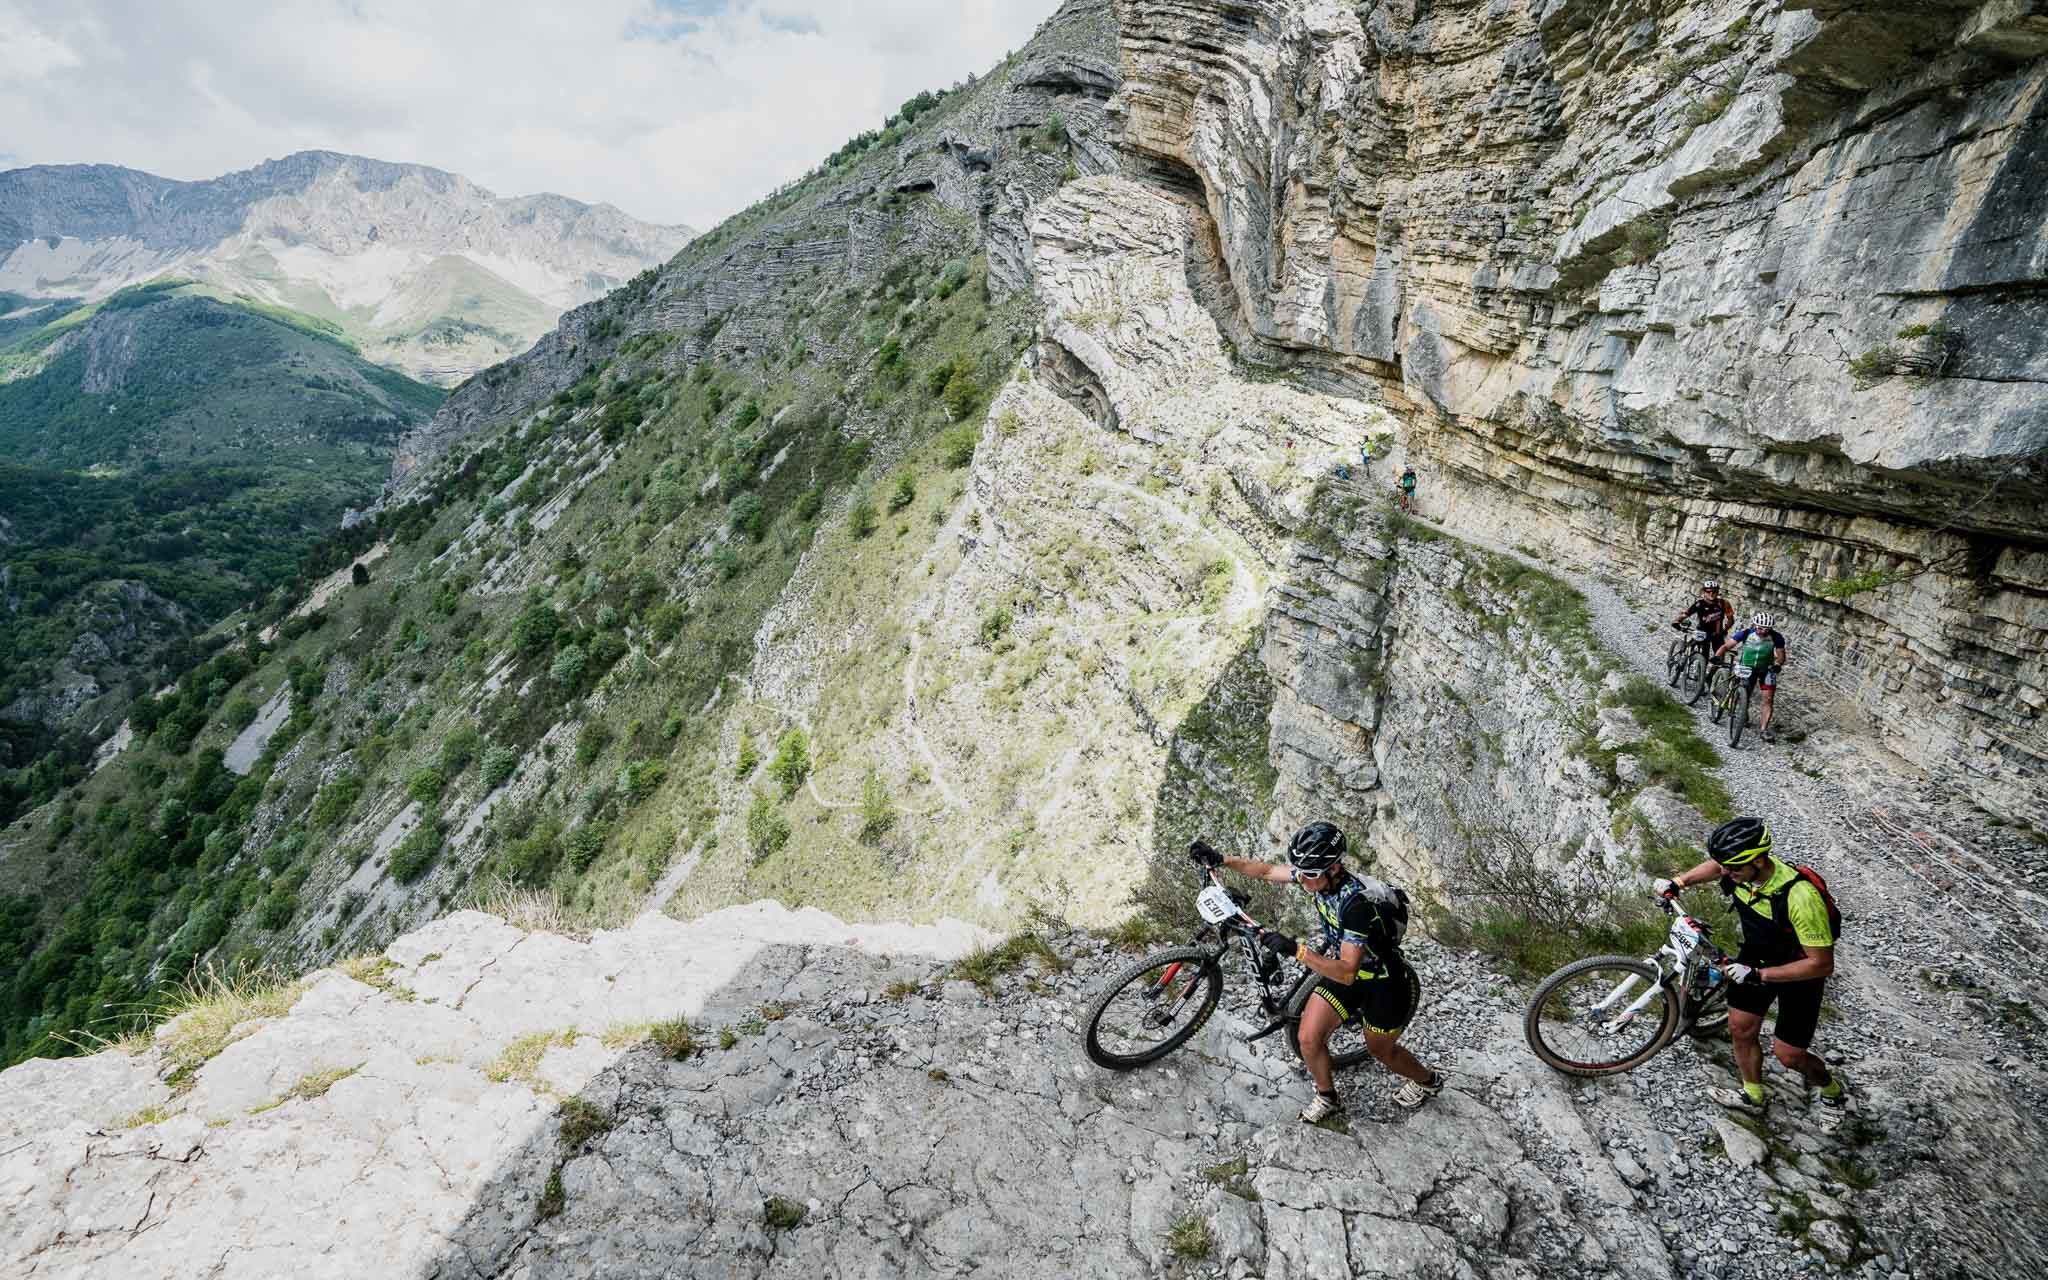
point(482, 1101)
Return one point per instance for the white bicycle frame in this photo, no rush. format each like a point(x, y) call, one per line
point(1679, 957)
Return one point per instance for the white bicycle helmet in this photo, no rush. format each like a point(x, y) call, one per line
point(1769, 620)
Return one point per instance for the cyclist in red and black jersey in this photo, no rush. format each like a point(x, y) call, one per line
point(1712, 610)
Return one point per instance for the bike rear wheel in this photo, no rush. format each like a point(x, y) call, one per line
point(1575, 1021)
point(1151, 1007)
point(1738, 715)
point(1347, 1042)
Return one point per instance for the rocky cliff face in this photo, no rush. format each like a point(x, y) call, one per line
point(426, 271)
point(1690, 289)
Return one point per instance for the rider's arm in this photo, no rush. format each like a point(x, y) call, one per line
point(1342, 967)
point(1259, 870)
point(1707, 871)
point(1818, 962)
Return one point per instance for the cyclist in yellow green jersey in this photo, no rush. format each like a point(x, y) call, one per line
point(1789, 929)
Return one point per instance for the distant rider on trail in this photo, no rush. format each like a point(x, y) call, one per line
point(1407, 487)
point(1713, 613)
point(1366, 981)
point(1789, 929)
point(1763, 651)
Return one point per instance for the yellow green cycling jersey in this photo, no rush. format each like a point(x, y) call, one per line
point(1806, 910)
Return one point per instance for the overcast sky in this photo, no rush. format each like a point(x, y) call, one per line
point(673, 110)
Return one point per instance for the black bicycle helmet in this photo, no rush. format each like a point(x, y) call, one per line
point(1739, 841)
point(1316, 848)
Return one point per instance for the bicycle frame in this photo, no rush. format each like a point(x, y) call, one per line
point(1686, 950)
point(1244, 931)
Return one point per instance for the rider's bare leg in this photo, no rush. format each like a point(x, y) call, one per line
point(1318, 1021)
point(1769, 695)
point(1394, 1056)
point(1749, 1053)
point(1807, 1063)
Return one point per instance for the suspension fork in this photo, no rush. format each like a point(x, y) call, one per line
point(1622, 989)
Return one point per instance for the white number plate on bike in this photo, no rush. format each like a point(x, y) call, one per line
point(1699, 635)
point(1741, 672)
point(1215, 905)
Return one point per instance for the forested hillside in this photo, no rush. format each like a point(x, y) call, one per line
point(169, 456)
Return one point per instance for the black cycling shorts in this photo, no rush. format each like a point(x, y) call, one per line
point(1377, 1004)
point(1798, 1007)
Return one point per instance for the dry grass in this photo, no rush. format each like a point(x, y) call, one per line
point(534, 910)
point(202, 1015)
point(148, 1115)
point(312, 1085)
point(374, 969)
point(517, 1061)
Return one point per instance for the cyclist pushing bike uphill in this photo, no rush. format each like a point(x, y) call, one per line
point(1357, 986)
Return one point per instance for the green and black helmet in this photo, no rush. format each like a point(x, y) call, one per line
point(1739, 841)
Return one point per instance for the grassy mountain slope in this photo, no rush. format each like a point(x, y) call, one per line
point(545, 684)
point(173, 457)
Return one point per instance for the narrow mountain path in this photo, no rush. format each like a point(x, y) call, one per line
point(1911, 907)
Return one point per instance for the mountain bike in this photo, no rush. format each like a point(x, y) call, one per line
point(1730, 687)
point(1157, 1003)
point(1609, 1014)
point(1688, 661)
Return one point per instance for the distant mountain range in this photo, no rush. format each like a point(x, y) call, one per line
point(420, 270)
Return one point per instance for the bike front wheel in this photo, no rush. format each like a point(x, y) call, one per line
point(1738, 715)
point(1347, 1042)
point(1674, 662)
point(1717, 693)
point(1584, 1019)
point(1150, 1008)
point(1695, 678)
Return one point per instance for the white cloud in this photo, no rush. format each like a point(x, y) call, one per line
point(674, 110)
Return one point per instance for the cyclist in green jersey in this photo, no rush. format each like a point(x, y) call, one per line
point(1763, 648)
point(1787, 955)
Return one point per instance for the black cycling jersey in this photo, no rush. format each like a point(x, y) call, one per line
point(1713, 616)
point(1372, 914)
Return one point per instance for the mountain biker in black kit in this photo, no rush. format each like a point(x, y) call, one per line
point(1714, 613)
point(1366, 981)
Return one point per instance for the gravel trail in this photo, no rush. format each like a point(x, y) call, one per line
point(1934, 1013)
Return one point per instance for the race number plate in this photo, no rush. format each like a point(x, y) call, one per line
point(1215, 905)
point(1741, 672)
point(1699, 635)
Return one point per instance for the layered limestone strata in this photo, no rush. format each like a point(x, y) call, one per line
point(1747, 289)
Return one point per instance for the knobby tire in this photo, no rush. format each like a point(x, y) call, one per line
point(1738, 718)
point(1608, 971)
point(1695, 679)
point(1717, 693)
point(1201, 966)
point(1674, 662)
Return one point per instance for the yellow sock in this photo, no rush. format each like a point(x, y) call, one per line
point(1755, 1090)
point(1832, 1089)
